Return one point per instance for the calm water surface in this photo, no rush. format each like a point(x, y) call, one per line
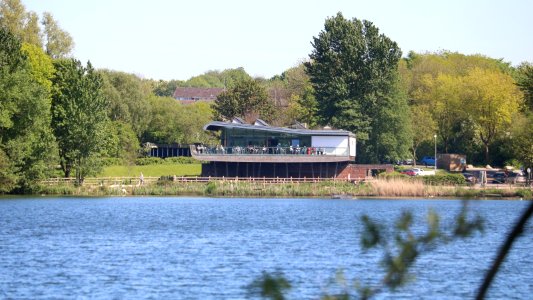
point(204, 248)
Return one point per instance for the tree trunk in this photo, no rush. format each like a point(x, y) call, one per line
point(486, 153)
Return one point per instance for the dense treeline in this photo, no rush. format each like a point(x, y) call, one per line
point(59, 116)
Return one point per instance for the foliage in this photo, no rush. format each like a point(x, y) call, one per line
point(490, 99)
point(423, 127)
point(270, 286)
point(470, 98)
point(526, 83)
point(302, 104)
point(210, 188)
point(225, 79)
point(445, 179)
point(173, 122)
point(42, 68)
point(129, 100)
point(353, 70)
point(164, 88)
point(122, 142)
point(59, 43)
point(79, 117)
point(26, 142)
point(522, 143)
point(24, 25)
point(246, 99)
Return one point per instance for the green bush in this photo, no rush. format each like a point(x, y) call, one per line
point(390, 175)
point(112, 161)
point(144, 161)
point(445, 179)
point(210, 188)
point(180, 160)
point(524, 193)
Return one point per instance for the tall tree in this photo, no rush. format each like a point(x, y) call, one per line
point(354, 72)
point(246, 99)
point(79, 116)
point(59, 43)
point(23, 24)
point(128, 99)
point(26, 141)
point(525, 83)
point(490, 99)
point(423, 127)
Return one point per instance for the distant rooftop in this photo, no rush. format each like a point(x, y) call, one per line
point(188, 94)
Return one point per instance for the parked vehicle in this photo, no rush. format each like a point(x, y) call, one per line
point(428, 161)
point(469, 177)
point(417, 172)
point(409, 172)
point(499, 177)
point(516, 177)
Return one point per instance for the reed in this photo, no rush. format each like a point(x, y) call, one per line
point(398, 187)
point(384, 187)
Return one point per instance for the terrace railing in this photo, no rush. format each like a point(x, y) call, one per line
point(256, 150)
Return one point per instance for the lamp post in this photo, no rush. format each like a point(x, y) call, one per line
point(435, 136)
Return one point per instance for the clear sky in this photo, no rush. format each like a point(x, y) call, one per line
point(165, 39)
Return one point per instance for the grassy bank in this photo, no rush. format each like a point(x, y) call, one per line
point(230, 188)
point(153, 170)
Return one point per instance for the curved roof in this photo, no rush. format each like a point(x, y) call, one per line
point(217, 125)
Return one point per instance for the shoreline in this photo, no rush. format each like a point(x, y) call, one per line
point(386, 188)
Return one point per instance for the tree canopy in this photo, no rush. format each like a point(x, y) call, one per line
point(79, 116)
point(26, 141)
point(354, 72)
point(246, 99)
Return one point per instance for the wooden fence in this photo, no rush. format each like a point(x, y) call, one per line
point(110, 181)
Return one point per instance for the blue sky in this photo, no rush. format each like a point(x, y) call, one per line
point(164, 39)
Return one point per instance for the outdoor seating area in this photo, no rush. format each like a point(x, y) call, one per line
point(263, 150)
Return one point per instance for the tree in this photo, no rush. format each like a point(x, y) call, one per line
point(26, 141)
point(79, 116)
point(354, 72)
point(444, 92)
point(128, 98)
point(302, 104)
point(59, 43)
point(165, 88)
point(525, 83)
point(246, 99)
point(24, 25)
point(423, 127)
point(490, 99)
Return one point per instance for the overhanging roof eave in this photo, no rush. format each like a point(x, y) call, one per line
point(217, 125)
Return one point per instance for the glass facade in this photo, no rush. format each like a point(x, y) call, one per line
point(235, 137)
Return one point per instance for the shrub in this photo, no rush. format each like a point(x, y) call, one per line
point(445, 179)
point(392, 175)
point(143, 161)
point(112, 161)
point(524, 193)
point(180, 160)
point(210, 188)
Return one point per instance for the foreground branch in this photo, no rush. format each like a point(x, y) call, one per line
point(506, 247)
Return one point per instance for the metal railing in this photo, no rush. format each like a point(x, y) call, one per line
point(258, 150)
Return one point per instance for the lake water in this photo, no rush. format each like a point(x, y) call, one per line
point(206, 248)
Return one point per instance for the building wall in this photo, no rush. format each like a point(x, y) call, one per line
point(338, 142)
point(345, 170)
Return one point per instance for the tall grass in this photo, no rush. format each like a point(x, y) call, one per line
point(391, 187)
point(398, 187)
